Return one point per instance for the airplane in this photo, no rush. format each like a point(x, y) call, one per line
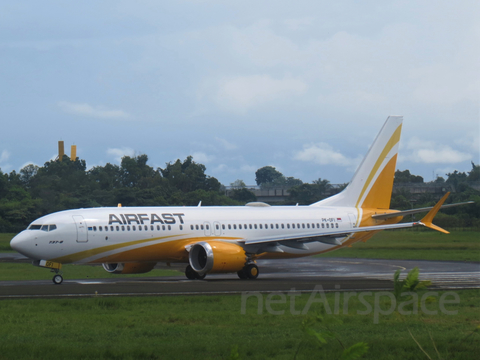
point(225, 239)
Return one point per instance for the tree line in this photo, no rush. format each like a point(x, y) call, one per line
point(60, 185)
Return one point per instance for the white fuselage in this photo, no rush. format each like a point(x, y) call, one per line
point(92, 235)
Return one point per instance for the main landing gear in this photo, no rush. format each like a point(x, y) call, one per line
point(250, 271)
point(192, 274)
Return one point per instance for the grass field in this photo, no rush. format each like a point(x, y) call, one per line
point(25, 271)
point(209, 327)
point(5, 242)
point(415, 245)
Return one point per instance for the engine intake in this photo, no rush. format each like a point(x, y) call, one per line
point(216, 257)
point(128, 268)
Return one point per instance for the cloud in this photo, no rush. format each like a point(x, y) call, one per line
point(85, 109)
point(118, 153)
point(227, 145)
point(323, 154)
point(202, 158)
point(4, 156)
point(428, 152)
point(244, 92)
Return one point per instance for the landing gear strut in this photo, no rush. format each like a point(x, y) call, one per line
point(192, 274)
point(250, 271)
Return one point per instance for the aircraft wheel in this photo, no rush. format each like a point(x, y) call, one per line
point(241, 274)
point(251, 271)
point(57, 279)
point(192, 274)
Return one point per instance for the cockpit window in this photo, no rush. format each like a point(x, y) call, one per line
point(42, 227)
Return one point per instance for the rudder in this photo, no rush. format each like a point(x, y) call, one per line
point(372, 183)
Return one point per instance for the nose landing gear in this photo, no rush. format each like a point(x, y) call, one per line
point(57, 278)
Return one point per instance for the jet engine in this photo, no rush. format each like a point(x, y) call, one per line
point(216, 257)
point(128, 268)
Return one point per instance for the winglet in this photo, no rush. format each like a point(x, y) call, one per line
point(427, 220)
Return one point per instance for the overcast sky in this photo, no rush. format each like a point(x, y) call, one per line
point(300, 85)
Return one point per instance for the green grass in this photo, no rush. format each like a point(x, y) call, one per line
point(208, 327)
point(416, 245)
point(25, 271)
point(5, 242)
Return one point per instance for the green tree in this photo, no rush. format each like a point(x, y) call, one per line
point(267, 174)
point(406, 177)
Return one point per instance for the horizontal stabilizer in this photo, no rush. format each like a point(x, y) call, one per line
point(427, 220)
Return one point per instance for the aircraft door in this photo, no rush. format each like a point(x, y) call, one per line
point(353, 220)
point(217, 228)
point(82, 235)
point(206, 227)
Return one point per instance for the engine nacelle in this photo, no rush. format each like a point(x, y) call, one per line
point(128, 268)
point(216, 257)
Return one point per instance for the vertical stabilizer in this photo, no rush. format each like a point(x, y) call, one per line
point(371, 186)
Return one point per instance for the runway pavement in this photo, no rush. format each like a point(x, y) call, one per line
point(300, 275)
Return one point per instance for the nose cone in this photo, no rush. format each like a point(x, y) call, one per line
point(21, 243)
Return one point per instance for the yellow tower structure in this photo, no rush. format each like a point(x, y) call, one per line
point(61, 151)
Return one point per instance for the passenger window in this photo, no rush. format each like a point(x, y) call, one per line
point(303, 226)
point(327, 226)
point(151, 227)
point(140, 228)
point(123, 228)
point(288, 226)
point(276, 225)
point(181, 227)
point(223, 226)
point(106, 228)
point(283, 226)
point(234, 227)
point(158, 227)
point(111, 227)
point(323, 226)
point(250, 226)
point(308, 226)
point(146, 227)
point(207, 227)
point(118, 228)
point(260, 226)
point(134, 228)
point(336, 225)
point(255, 226)
point(240, 226)
point(217, 227)
point(201, 227)
point(100, 228)
point(271, 226)
point(163, 227)
point(229, 227)
point(191, 227)
point(169, 227)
